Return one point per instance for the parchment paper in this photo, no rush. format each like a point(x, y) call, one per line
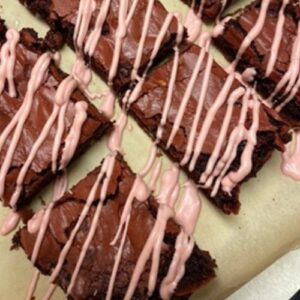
point(267, 227)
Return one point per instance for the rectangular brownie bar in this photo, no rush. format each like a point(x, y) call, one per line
point(29, 128)
point(273, 52)
point(94, 275)
point(62, 17)
point(193, 109)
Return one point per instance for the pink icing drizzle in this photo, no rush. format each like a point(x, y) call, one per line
point(7, 62)
point(186, 216)
point(10, 223)
point(168, 195)
point(38, 75)
point(290, 165)
point(73, 137)
point(252, 34)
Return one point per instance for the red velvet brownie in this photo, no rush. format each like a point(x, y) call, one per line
point(127, 36)
point(95, 272)
point(29, 116)
point(272, 48)
point(199, 115)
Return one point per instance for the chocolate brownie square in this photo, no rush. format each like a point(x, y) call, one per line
point(29, 119)
point(194, 110)
point(62, 17)
point(272, 53)
point(94, 275)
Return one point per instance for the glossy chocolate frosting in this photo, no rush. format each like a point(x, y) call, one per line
point(257, 54)
point(272, 132)
point(94, 275)
point(27, 53)
point(62, 16)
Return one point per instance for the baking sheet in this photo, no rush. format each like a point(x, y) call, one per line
point(267, 227)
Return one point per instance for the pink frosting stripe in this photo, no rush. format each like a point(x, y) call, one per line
point(142, 41)
point(8, 61)
point(235, 138)
point(277, 39)
point(10, 224)
point(94, 36)
point(85, 13)
point(167, 198)
point(221, 98)
point(233, 178)
point(38, 75)
point(252, 34)
point(193, 132)
point(290, 165)
point(186, 97)
point(234, 97)
point(72, 139)
point(186, 216)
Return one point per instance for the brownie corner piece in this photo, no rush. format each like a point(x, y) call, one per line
point(194, 117)
point(28, 127)
point(95, 272)
point(270, 52)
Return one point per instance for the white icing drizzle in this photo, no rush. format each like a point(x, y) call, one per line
point(8, 61)
point(10, 223)
point(290, 165)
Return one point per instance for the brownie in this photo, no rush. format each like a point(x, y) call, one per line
point(61, 16)
point(94, 276)
point(258, 54)
point(211, 9)
point(28, 50)
point(272, 132)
